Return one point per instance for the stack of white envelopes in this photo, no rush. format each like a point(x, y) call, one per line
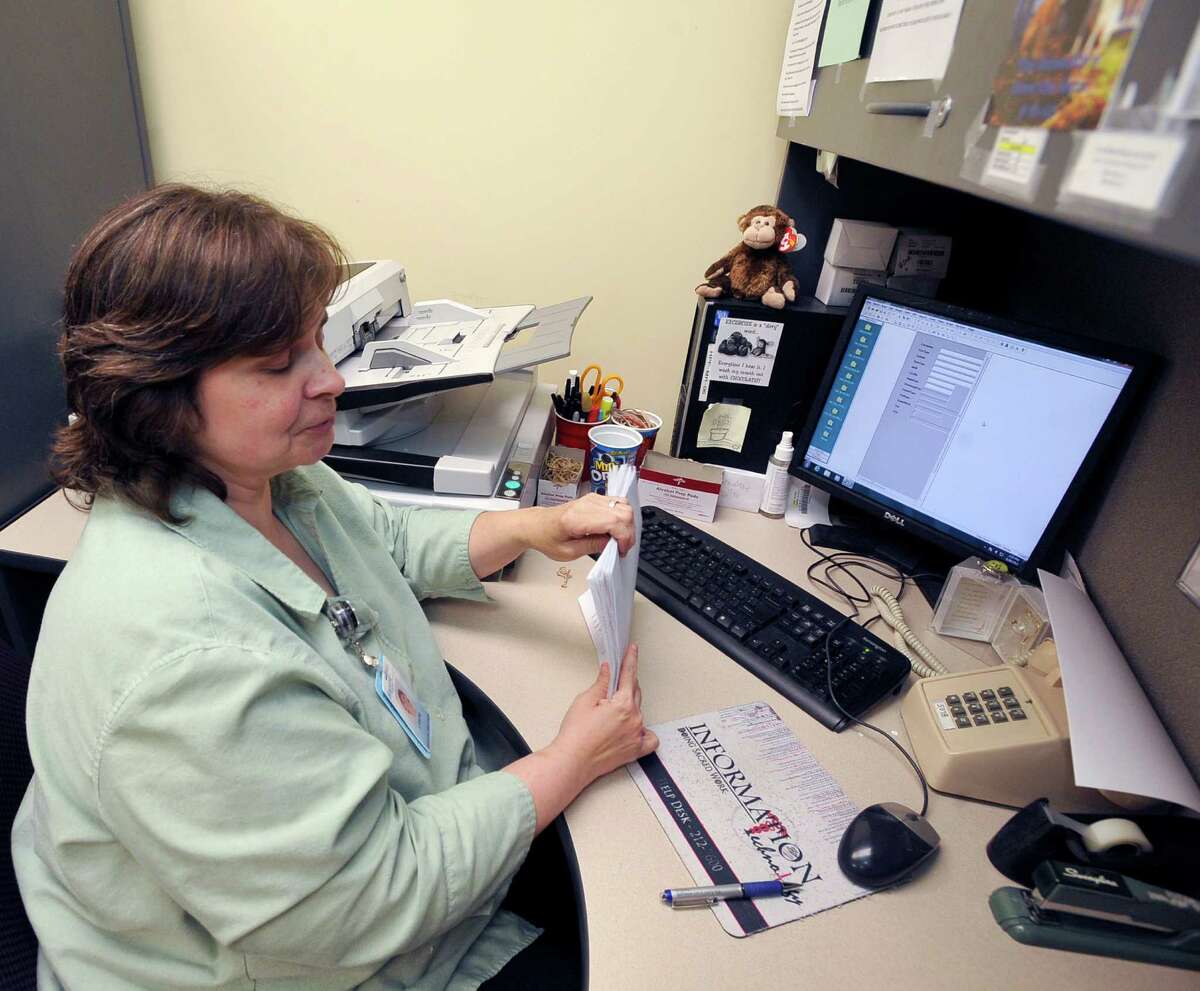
point(608, 602)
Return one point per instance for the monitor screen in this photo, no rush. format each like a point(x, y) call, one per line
point(959, 427)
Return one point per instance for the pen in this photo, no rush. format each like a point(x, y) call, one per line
point(711, 894)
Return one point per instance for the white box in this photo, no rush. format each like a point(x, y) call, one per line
point(860, 244)
point(919, 285)
point(836, 286)
point(921, 253)
point(685, 488)
point(551, 493)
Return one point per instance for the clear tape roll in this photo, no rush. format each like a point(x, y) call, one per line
point(1107, 835)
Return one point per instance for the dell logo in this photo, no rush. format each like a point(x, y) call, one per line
point(893, 518)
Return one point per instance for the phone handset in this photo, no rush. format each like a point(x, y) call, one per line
point(924, 663)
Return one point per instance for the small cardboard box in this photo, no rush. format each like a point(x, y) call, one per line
point(918, 285)
point(836, 286)
point(685, 488)
point(552, 492)
point(921, 253)
point(860, 244)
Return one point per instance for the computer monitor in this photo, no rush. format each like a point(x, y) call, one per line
point(962, 429)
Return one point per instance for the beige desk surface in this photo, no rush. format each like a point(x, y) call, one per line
point(529, 651)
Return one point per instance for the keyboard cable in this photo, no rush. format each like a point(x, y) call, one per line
point(843, 562)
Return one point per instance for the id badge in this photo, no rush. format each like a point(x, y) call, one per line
point(396, 693)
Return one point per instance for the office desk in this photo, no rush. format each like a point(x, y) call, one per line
point(529, 651)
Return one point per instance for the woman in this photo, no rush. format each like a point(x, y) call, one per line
point(222, 797)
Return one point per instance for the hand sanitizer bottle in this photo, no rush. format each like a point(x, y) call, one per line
point(775, 488)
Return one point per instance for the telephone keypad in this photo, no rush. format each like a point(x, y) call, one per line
point(976, 714)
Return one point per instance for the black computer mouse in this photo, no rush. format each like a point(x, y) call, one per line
point(884, 844)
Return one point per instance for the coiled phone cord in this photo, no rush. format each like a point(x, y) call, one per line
point(923, 661)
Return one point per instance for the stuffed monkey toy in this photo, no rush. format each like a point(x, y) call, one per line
point(756, 268)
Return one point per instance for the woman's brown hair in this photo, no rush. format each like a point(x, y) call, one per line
point(168, 284)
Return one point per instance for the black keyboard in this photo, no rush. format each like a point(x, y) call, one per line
point(774, 629)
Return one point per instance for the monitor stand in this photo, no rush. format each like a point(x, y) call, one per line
point(862, 534)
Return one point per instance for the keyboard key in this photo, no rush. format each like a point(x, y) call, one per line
point(957, 710)
point(963, 722)
point(737, 630)
point(671, 584)
point(953, 700)
point(1005, 691)
point(980, 720)
point(987, 695)
point(1012, 703)
point(970, 697)
point(999, 717)
point(974, 708)
point(1016, 714)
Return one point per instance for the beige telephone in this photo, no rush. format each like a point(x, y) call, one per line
point(998, 734)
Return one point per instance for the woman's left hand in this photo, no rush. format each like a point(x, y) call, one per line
point(583, 526)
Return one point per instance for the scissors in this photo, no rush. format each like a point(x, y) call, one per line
point(601, 386)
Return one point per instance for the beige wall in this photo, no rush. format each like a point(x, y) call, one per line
point(504, 152)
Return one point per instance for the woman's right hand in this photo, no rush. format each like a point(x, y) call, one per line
point(600, 734)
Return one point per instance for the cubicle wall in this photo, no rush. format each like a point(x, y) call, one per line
point(1139, 523)
point(74, 145)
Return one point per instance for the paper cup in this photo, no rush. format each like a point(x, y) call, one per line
point(612, 445)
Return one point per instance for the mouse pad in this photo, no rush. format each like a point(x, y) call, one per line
point(742, 799)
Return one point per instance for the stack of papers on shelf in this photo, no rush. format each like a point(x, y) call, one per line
point(607, 604)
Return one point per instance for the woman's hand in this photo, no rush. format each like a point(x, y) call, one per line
point(582, 526)
point(600, 734)
point(562, 533)
point(597, 735)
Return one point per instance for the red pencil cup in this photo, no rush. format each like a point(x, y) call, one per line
point(572, 434)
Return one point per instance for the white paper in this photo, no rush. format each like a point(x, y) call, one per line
point(1015, 155)
point(704, 376)
point(1127, 169)
point(1117, 739)
point(607, 605)
point(806, 505)
point(799, 57)
point(741, 799)
point(741, 489)
point(913, 39)
point(758, 339)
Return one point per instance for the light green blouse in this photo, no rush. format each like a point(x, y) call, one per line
point(220, 799)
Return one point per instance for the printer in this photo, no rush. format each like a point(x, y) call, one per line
point(442, 405)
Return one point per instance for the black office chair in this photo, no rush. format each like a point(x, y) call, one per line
point(18, 944)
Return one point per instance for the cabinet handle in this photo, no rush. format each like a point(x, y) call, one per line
point(939, 110)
